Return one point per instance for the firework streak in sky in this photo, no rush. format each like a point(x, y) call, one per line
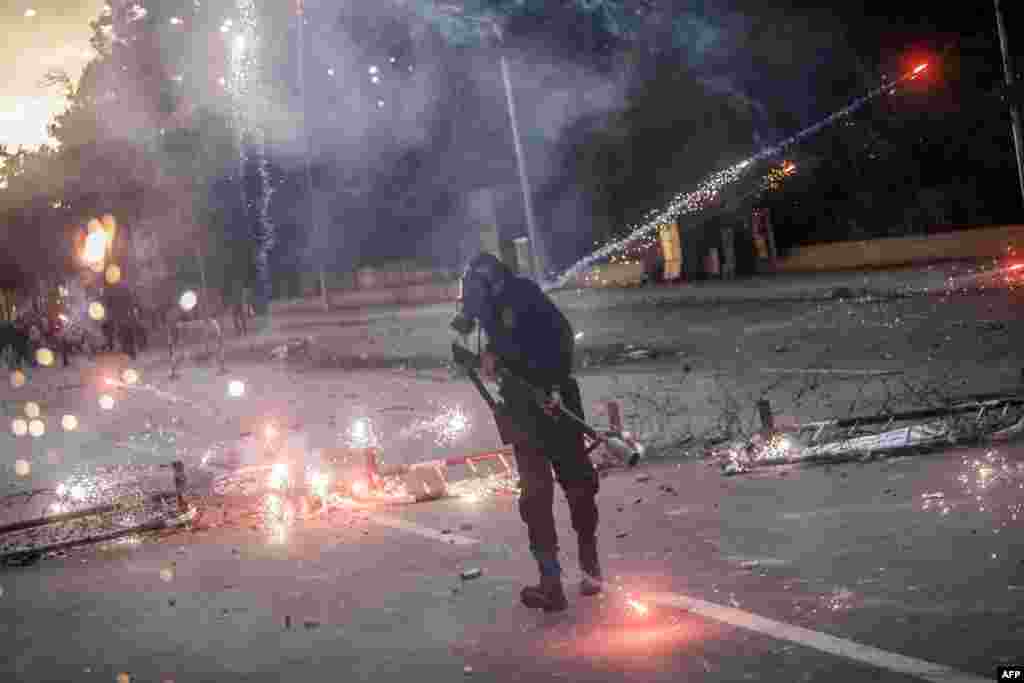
point(708, 190)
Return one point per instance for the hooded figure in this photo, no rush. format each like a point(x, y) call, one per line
point(530, 338)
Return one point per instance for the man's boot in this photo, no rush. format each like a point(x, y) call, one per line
point(591, 584)
point(549, 594)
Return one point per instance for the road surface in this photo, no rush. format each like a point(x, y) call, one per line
point(896, 570)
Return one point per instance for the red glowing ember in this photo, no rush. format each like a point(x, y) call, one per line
point(920, 67)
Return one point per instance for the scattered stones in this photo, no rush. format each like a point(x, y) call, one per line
point(311, 624)
point(643, 477)
point(288, 622)
point(465, 526)
point(622, 534)
point(471, 574)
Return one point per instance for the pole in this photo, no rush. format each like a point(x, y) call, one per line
point(524, 180)
point(1015, 107)
point(308, 153)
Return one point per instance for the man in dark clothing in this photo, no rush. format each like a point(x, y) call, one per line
point(530, 338)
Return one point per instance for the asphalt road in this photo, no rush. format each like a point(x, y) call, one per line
point(867, 554)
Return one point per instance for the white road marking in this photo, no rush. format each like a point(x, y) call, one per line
point(829, 371)
point(840, 647)
point(427, 532)
point(866, 654)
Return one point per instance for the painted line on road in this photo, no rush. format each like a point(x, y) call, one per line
point(840, 647)
point(858, 652)
point(426, 532)
point(829, 371)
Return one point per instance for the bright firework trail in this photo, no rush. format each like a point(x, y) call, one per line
point(707, 191)
point(248, 90)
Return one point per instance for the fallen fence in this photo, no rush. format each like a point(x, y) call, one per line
point(174, 514)
point(840, 440)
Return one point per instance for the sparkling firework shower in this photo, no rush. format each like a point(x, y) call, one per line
point(247, 87)
point(709, 189)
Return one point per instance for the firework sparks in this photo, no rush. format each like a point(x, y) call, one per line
point(639, 608)
point(247, 89)
point(710, 189)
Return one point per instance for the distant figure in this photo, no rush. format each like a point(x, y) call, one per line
point(240, 311)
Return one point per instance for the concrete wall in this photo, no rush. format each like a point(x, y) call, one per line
point(978, 243)
point(428, 293)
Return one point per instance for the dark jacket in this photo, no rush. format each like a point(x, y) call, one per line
point(531, 337)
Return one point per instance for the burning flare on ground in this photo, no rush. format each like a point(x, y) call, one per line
point(278, 476)
point(638, 608)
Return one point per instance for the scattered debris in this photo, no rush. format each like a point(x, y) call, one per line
point(470, 574)
point(311, 624)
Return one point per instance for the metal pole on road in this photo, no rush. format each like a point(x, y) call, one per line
point(1015, 106)
point(524, 180)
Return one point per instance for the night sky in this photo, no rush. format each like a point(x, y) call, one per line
point(793, 63)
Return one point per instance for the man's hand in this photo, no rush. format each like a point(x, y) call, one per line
point(488, 365)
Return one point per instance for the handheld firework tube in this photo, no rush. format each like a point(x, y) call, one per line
point(626, 450)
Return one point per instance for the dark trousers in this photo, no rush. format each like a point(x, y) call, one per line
point(537, 496)
point(557, 453)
